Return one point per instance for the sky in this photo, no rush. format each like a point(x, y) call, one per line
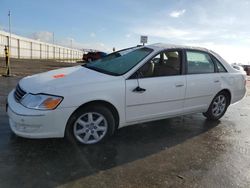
point(220, 25)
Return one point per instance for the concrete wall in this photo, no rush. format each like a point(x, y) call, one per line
point(32, 49)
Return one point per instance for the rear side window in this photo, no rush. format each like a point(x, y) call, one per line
point(220, 67)
point(199, 63)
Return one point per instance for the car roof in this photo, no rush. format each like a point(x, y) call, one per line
point(158, 46)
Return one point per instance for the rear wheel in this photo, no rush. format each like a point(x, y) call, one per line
point(218, 106)
point(90, 125)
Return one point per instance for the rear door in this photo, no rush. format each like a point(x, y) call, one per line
point(203, 81)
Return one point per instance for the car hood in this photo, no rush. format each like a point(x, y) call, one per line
point(62, 78)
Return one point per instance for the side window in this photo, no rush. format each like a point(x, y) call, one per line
point(220, 67)
point(166, 63)
point(199, 63)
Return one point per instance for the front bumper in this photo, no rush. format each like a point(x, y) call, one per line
point(31, 123)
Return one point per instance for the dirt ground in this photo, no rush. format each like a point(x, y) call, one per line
point(186, 151)
point(24, 67)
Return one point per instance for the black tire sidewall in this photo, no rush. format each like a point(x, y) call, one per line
point(95, 108)
point(209, 114)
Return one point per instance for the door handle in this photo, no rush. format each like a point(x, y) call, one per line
point(216, 81)
point(139, 90)
point(179, 85)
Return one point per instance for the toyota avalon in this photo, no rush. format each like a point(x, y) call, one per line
point(88, 103)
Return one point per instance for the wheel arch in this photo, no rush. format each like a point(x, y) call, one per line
point(108, 105)
point(227, 91)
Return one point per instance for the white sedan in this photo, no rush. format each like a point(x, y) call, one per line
point(88, 103)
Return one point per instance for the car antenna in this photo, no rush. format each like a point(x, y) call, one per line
point(138, 89)
point(137, 79)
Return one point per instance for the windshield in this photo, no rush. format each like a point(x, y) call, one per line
point(117, 64)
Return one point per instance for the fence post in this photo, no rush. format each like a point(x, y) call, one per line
point(47, 51)
point(54, 51)
point(67, 54)
point(71, 53)
point(63, 53)
point(40, 51)
point(18, 48)
point(31, 50)
point(59, 53)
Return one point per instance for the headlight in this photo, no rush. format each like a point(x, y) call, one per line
point(41, 101)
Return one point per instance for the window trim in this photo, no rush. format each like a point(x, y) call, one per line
point(199, 51)
point(182, 67)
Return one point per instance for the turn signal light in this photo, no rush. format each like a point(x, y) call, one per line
point(51, 103)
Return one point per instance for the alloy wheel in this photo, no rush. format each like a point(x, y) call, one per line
point(219, 105)
point(90, 128)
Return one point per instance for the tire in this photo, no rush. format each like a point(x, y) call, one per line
point(218, 106)
point(90, 125)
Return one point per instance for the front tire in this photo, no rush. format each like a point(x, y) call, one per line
point(218, 106)
point(90, 125)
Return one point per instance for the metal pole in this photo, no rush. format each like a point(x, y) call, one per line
point(9, 30)
point(8, 65)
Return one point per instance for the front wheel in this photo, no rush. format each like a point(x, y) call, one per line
point(90, 125)
point(217, 107)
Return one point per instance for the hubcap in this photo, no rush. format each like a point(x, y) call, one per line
point(219, 105)
point(90, 128)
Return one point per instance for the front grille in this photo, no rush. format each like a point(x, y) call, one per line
point(19, 93)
